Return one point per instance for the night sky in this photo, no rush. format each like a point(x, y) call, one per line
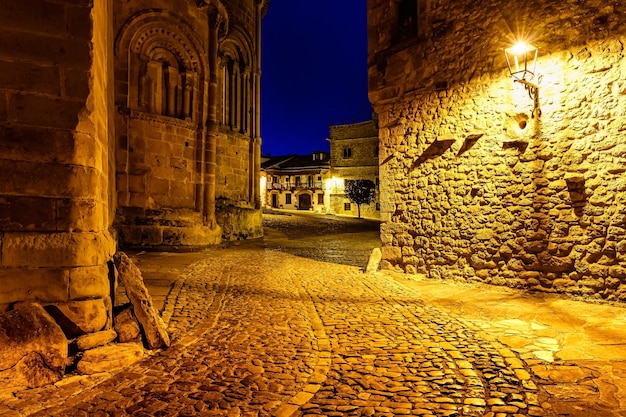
point(314, 70)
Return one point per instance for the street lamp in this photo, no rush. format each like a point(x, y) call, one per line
point(521, 59)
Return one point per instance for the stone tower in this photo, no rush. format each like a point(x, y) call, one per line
point(481, 182)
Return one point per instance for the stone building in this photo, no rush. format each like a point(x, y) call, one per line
point(122, 124)
point(481, 182)
point(353, 156)
point(296, 182)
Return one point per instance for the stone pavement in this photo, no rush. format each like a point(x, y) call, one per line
point(260, 332)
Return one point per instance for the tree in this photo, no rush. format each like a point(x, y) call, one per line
point(360, 192)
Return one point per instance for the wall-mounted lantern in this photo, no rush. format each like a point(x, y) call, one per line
point(521, 59)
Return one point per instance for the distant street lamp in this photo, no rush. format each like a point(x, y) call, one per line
point(521, 59)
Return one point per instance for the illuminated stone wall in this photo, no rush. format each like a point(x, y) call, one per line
point(187, 124)
point(353, 156)
point(56, 199)
point(473, 187)
point(110, 128)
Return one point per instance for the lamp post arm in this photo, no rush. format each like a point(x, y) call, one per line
point(533, 93)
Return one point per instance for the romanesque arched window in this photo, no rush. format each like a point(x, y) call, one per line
point(237, 86)
point(163, 66)
point(165, 86)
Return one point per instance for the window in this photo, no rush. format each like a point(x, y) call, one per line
point(347, 152)
point(320, 199)
point(377, 206)
point(288, 198)
point(407, 18)
point(347, 207)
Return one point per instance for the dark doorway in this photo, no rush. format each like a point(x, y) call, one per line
point(304, 201)
point(275, 200)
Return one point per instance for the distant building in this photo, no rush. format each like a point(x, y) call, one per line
point(295, 182)
point(353, 156)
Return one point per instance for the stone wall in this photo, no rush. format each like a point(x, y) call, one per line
point(477, 186)
point(353, 156)
point(185, 125)
point(56, 197)
point(109, 130)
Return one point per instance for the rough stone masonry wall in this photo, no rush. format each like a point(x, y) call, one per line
point(55, 124)
point(473, 187)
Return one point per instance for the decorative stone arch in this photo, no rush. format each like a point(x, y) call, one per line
point(236, 59)
point(163, 63)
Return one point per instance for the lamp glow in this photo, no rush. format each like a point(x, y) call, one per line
point(521, 59)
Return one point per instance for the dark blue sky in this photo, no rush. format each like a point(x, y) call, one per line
point(314, 70)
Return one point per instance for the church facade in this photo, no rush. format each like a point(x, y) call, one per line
point(122, 125)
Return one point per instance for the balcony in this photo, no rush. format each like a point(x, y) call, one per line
point(289, 186)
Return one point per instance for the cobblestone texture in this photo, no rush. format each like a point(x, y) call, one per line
point(259, 332)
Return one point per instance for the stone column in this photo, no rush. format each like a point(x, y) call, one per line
point(256, 177)
point(172, 87)
point(212, 124)
point(56, 157)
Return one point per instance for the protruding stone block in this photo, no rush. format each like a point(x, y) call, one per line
point(109, 358)
point(33, 348)
point(77, 318)
point(153, 326)
point(127, 326)
point(374, 261)
point(93, 340)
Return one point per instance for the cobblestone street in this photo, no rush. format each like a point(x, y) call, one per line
point(291, 326)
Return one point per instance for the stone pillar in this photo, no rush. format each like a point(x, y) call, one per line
point(212, 125)
point(172, 87)
point(56, 138)
point(257, 108)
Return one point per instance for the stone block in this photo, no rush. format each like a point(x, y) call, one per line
point(27, 213)
point(391, 253)
point(110, 358)
point(374, 261)
point(46, 285)
point(35, 144)
point(160, 186)
point(127, 326)
point(78, 20)
point(30, 109)
point(80, 215)
point(33, 347)
point(153, 327)
point(89, 282)
point(57, 249)
point(48, 179)
point(77, 318)
point(94, 340)
point(22, 76)
point(47, 18)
